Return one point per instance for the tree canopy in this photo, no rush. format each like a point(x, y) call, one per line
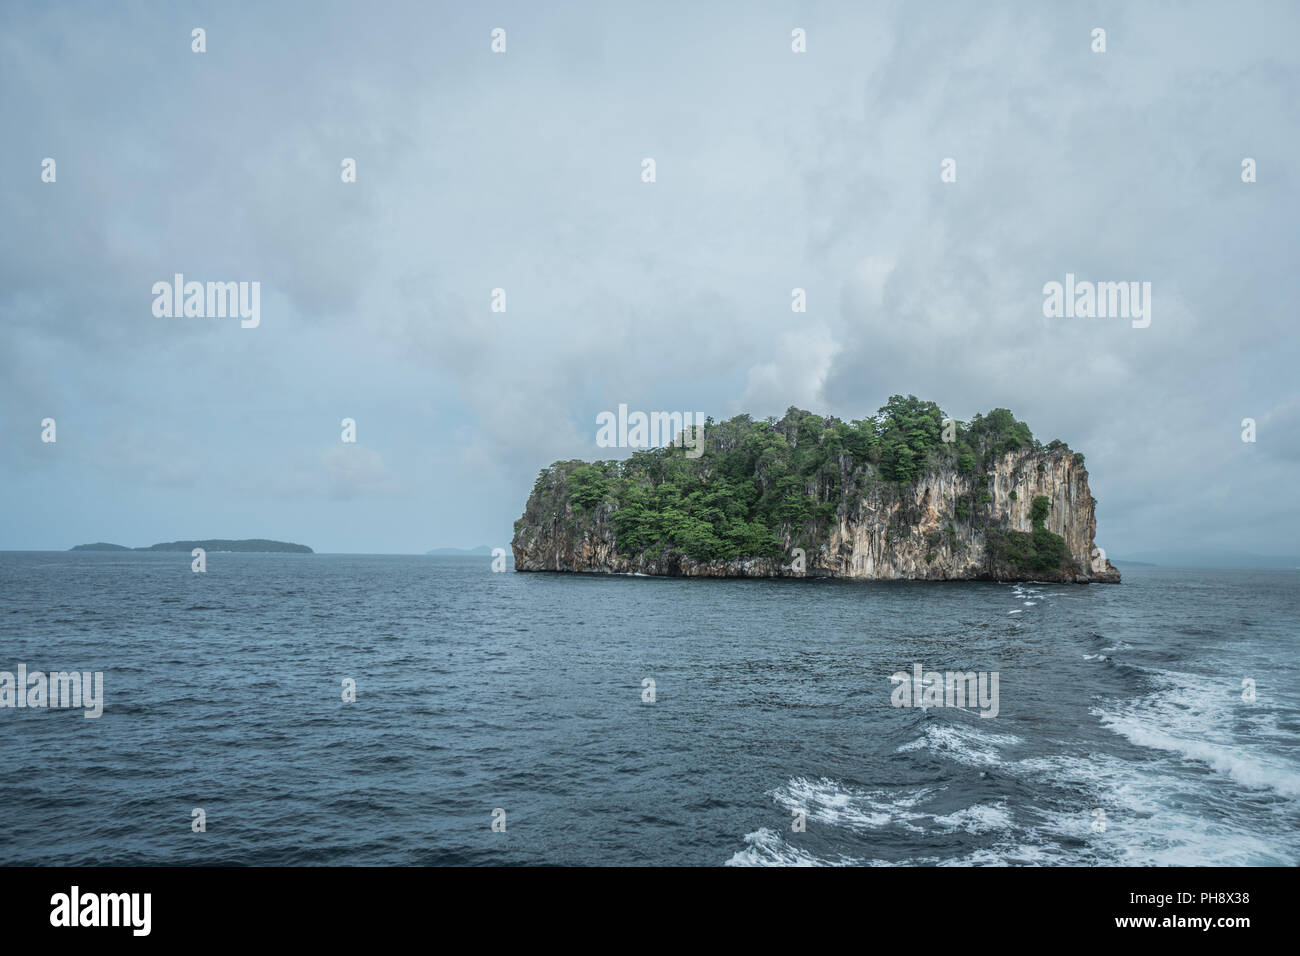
point(759, 481)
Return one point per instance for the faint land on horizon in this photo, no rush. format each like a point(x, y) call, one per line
point(207, 544)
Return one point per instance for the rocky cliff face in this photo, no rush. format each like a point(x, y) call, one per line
point(945, 525)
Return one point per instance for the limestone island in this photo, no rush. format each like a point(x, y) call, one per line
point(907, 494)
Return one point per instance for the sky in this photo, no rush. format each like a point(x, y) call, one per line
point(523, 171)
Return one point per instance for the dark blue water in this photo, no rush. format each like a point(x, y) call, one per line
point(1121, 737)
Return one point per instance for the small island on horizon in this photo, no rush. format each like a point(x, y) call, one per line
point(207, 544)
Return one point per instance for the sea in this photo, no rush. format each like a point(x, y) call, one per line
point(504, 718)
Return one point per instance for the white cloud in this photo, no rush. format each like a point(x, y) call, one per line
point(796, 374)
point(352, 470)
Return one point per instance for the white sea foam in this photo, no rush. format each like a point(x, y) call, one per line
point(832, 803)
point(1247, 764)
point(766, 847)
point(1149, 820)
point(1155, 816)
point(975, 748)
point(1177, 802)
point(829, 802)
point(1199, 718)
point(980, 818)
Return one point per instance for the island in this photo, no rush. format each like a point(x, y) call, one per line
point(207, 544)
point(906, 494)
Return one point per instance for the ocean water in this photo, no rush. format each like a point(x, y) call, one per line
point(1122, 735)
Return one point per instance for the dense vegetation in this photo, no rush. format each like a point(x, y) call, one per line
point(758, 481)
point(1039, 550)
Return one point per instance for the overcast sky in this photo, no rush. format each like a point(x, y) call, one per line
point(522, 171)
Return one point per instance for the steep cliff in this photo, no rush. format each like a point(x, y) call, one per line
point(905, 495)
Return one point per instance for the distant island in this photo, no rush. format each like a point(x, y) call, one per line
point(207, 544)
point(1201, 558)
point(481, 549)
point(905, 494)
